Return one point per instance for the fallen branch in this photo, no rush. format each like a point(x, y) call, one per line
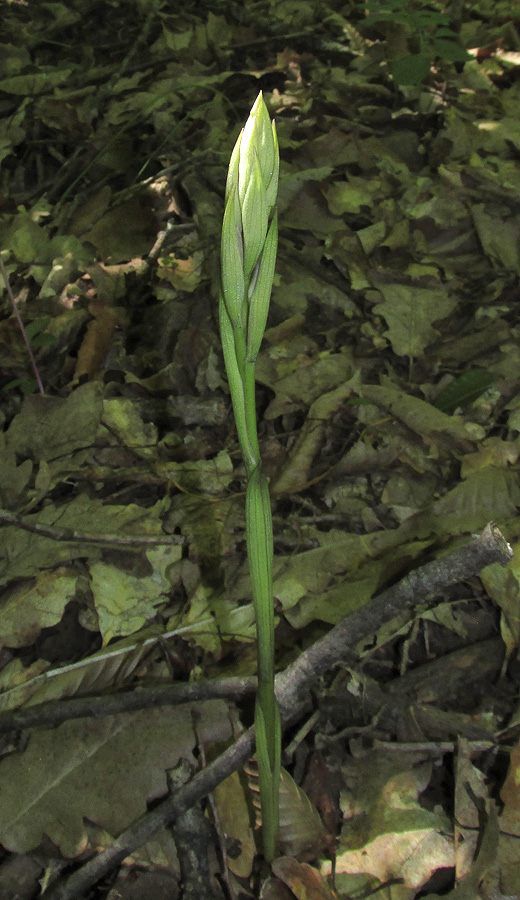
point(75, 537)
point(292, 687)
point(418, 587)
point(57, 711)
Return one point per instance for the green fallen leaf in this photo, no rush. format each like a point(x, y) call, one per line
point(464, 389)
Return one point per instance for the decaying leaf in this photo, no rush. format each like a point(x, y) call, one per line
point(105, 770)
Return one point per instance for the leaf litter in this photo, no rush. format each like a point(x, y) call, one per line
point(388, 409)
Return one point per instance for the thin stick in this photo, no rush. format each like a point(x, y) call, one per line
point(56, 712)
point(21, 326)
point(76, 537)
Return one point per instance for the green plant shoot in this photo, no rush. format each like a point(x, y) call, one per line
point(248, 256)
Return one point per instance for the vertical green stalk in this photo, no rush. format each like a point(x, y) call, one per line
point(248, 256)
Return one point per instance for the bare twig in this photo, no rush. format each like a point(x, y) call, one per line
point(76, 537)
point(23, 332)
point(58, 711)
point(292, 687)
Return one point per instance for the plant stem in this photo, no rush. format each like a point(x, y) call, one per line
point(249, 241)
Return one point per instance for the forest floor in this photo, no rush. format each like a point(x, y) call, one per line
point(388, 402)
